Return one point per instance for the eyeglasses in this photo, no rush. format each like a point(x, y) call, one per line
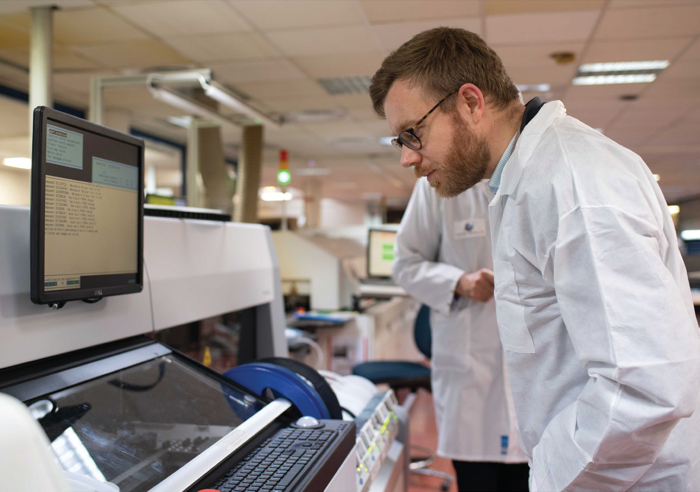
point(409, 137)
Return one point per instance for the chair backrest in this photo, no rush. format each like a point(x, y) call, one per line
point(421, 332)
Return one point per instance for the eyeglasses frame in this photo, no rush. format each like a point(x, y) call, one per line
point(399, 142)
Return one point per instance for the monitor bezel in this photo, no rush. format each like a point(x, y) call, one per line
point(37, 208)
point(369, 239)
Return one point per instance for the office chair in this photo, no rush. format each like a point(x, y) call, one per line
point(411, 375)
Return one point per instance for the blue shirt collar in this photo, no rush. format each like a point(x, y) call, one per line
point(495, 180)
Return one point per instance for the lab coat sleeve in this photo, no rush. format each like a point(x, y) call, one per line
point(416, 252)
point(632, 331)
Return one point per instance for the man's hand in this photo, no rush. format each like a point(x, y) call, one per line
point(477, 286)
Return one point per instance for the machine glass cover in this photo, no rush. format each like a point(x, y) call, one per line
point(133, 428)
point(87, 207)
point(380, 253)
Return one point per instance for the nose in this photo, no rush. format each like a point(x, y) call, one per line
point(409, 157)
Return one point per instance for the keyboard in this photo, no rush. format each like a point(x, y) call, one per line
point(281, 462)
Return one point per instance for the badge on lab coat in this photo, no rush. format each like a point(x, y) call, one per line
point(469, 228)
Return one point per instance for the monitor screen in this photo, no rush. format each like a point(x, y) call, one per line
point(86, 210)
point(137, 426)
point(380, 252)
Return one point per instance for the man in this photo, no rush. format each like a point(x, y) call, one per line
point(592, 297)
point(443, 259)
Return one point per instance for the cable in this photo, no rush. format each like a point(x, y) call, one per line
point(348, 412)
point(150, 297)
point(316, 347)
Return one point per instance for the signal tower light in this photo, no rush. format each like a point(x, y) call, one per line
point(284, 177)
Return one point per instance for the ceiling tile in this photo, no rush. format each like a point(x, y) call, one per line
point(76, 82)
point(679, 134)
point(16, 6)
point(554, 27)
point(535, 55)
point(271, 15)
point(381, 11)
point(302, 103)
point(678, 89)
point(366, 114)
point(224, 47)
point(259, 70)
point(631, 4)
point(594, 113)
point(602, 92)
point(681, 70)
point(543, 75)
point(351, 101)
point(394, 35)
point(327, 41)
point(637, 50)
point(63, 58)
point(692, 53)
point(93, 26)
point(12, 36)
point(649, 23)
point(280, 90)
point(322, 67)
point(146, 53)
point(645, 118)
point(184, 18)
point(500, 7)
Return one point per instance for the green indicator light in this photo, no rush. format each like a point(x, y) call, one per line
point(284, 177)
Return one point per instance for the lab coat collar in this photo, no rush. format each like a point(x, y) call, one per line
point(527, 143)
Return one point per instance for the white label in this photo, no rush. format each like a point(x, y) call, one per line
point(64, 147)
point(464, 229)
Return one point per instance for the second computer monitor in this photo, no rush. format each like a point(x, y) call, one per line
point(380, 253)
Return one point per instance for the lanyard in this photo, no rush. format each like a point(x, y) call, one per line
point(531, 109)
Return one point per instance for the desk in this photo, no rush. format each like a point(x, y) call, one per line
point(369, 290)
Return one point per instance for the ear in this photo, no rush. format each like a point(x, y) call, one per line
point(471, 103)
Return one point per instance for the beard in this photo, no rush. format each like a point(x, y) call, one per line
point(465, 162)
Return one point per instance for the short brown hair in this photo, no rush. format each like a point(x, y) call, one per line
point(441, 60)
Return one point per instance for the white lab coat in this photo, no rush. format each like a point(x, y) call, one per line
point(474, 410)
point(595, 314)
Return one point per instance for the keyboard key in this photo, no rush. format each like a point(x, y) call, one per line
point(291, 475)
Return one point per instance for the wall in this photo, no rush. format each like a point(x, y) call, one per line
point(14, 186)
point(336, 213)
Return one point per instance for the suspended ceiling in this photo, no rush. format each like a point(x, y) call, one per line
point(274, 52)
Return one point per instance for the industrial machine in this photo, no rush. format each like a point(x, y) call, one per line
point(80, 304)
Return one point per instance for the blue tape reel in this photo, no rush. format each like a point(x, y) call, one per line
point(259, 376)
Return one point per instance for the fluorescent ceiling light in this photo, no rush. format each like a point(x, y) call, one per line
point(219, 93)
point(183, 121)
point(20, 162)
point(276, 196)
point(534, 88)
point(690, 235)
point(614, 79)
point(674, 209)
point(657, 177)
point(623, 66)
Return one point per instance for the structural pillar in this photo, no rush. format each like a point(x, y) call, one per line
point(212, 167)
point(312, 203)
point(40, 61)
point(249, 170)
point(192, 175)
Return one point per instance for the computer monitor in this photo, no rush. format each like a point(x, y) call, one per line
point(380, 253)
point(86, 210)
